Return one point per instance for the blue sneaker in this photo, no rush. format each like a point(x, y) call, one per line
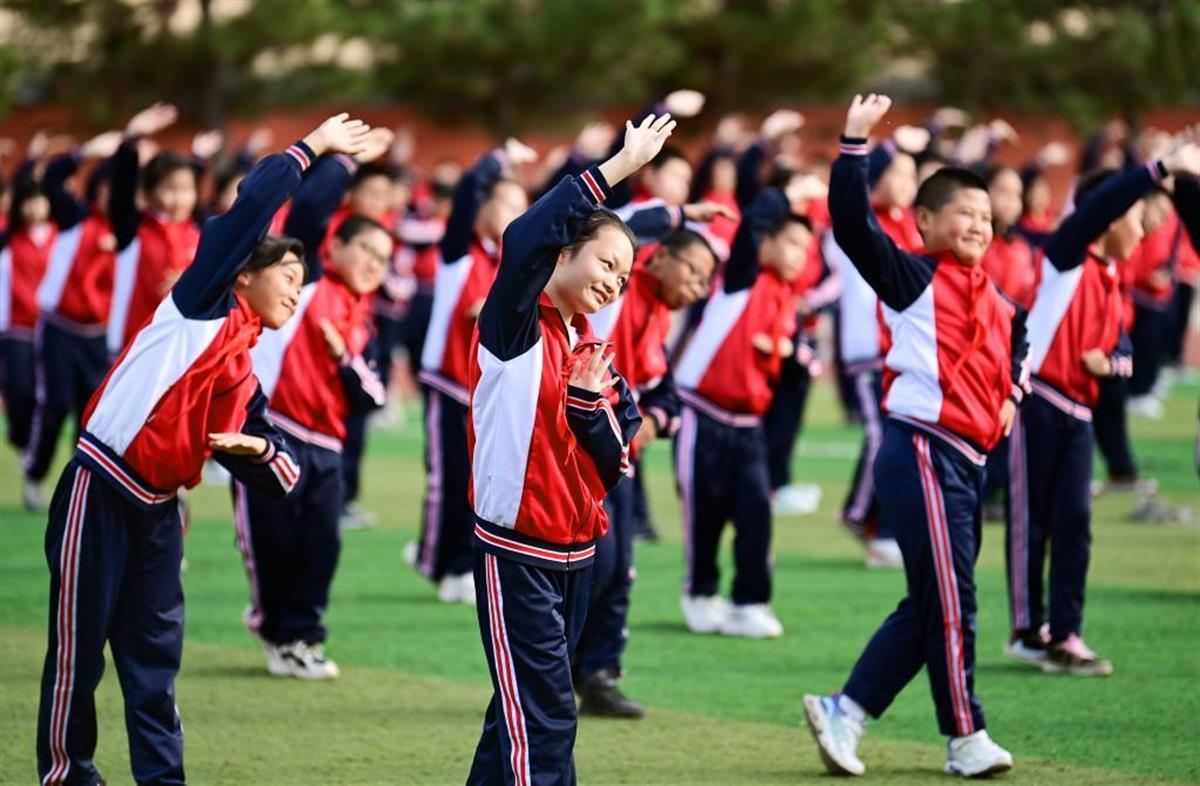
point(836, 734)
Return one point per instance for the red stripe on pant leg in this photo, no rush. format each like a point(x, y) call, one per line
point(241, 523)
point(947, 585)
point(514, 718)
point(64, 678)
point(1019, 515)
point(433, 489)
point(874, 438)
point(685, 474)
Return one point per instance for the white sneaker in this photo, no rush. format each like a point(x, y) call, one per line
point(33, 494)
point(975, 755)
point(884, 553)
point(410, 552)
point(457, 588)
point(276, 665)
point(704, 613)
point(1146, 406)
point(307, 661)
point(354, 516)
point(1025, 651)
point(753, 621)
point(797, 499)
point(836, 734)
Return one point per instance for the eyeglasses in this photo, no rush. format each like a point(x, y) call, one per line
point(376, 257)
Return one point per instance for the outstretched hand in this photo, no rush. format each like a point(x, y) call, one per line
point(151, 120)
point(706, 211)
point(642, 143)
point(592, 374)
point(519, 153)
point(207, 144)
point(865, 113)
point(237, 444)
point(101, 146)
point(1184, 158)
point(684, 103)
point(377, 142)
point(339, 134)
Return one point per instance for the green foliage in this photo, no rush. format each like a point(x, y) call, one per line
point(511, 64)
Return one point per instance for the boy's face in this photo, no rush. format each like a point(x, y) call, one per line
point(962, 226)
point(362, 261)
point(508, 200)
point(593, 276)
point(1038, 197)
point(683, 275)
point(897, 186)
point(670, 182)
point(372, 197)
point(35, 210)
point(786, 252)
point(1005, 194)
point(724, 176)
point(273, 293)
point(175, 195)
point(1123, 235)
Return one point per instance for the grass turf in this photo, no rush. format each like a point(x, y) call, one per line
point(410, 703)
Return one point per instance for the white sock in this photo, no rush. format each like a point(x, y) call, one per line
point(851, 708)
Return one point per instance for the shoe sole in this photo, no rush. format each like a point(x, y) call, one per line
point(995, 769)
point(741, 634)
point(1089, 671)
point(818, 729)
point(1029, 660)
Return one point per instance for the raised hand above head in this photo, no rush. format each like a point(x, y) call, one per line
point(151, 120)
point(642, 144)
point(339, 134)
point(865, 113)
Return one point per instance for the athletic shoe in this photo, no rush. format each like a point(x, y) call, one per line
point(600, 695)
point(276, 665)
point(1152, 509)
point(33, 494)
point(1146, 406)
point(836, 733)
point(1027, 647)
point(704, 613)
point(796, 499)
point(1125, 485)
point(975, 755)
point(752, 621)
point(457, 588)
point(884, 553)
point(355, 517)
point(411, 552)
point(1072, 656)
point(307, 661)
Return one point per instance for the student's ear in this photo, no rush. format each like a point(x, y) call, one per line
point(563, 255)
point(924, 217)
point(335, 244)
point(243, 279)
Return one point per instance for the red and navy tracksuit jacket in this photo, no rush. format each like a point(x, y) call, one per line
point(23, 260)
point(1014, 264)
point(464, 277)
point(309, 393)
point(151, 251)
point(188, 373)
point(543, 453)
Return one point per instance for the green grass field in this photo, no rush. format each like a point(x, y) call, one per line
point(410, 702)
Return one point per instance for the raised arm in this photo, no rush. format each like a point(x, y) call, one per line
point(315, 202)
point(532, 243)
point(227, 240)
point(896, 276)
point(65, 208)
point(759, 217)
point(1067, 246)
point(1187, 205)
point(469, 195)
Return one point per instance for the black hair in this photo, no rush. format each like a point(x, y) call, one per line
point(225, 177)
point(668, 153)
point(940, 187)
point(599, 219)
point(1090, 182)
point(355, 225)
point(996, 170)
point(99, 175)
point(23, 191)
point(682, 239)
point(271, 250)
point(162, 166)
point(367, 171)
point(786, 220)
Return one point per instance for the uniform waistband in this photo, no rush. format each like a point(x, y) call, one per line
point(108, 465)
point(444, 384)
point(1061, 401)
point(945, 436)
point(302, 433)
point(80, 329)
point(719, 414)
point(510, 544)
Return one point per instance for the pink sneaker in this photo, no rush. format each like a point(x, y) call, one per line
point(1072, 656)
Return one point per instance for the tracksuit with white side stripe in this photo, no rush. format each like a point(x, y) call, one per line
point(114, 540)
point(956, 354)
point(290, 546)
point(544, 455)
point(1078, 308)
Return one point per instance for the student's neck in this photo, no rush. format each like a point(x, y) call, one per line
point(565, 311)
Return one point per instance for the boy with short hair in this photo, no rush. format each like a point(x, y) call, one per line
point(953, 378)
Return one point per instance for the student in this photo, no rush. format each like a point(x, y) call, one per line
point(24, 254)
point(548, 437)
point(181, 391)
point(313, 374)
point(953, 380)
point(73, 300)
point(666, 277)
point(1011, 260)
point(1076, 340)
point(153, 246)
point(725, 378)
point(485, 202)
